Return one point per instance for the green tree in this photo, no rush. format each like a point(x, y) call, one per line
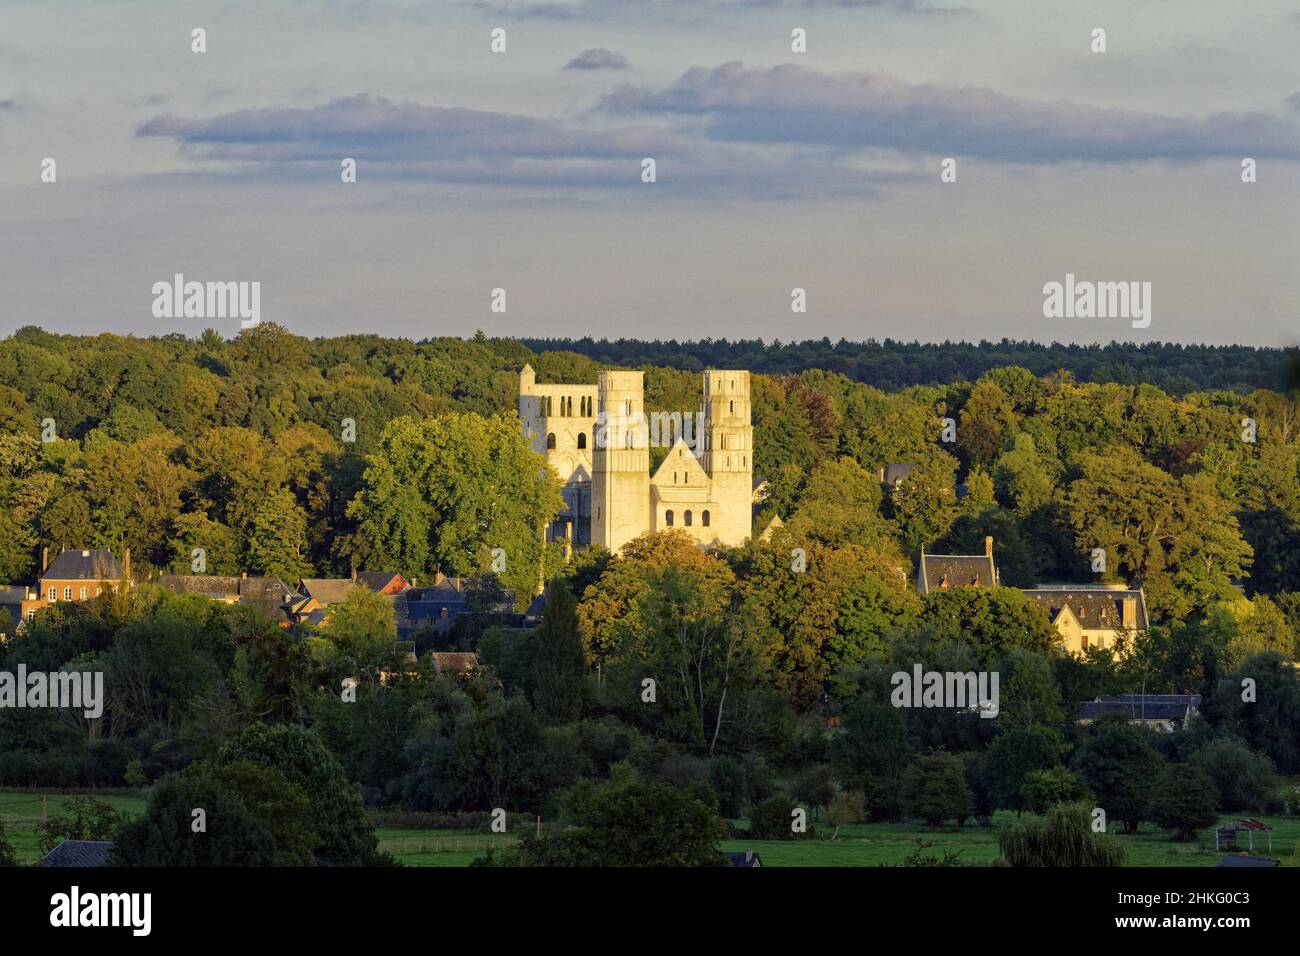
point(935, 788)
point(1121, 768)
point(1063, 837)
point(561, 662)
point(277, 539)
point(345, 835)
point(1187, 801)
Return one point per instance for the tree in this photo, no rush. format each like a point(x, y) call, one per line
point(7, 855)
point(1063, 837)
point(1121, 769)
point(456, 493)
point(872, 751)
point(277, 541)
point(1187, 801)
point(236, 815)
point(84, 818)
point(626, 823)
point(847, 806)
point(1042, 789)
point(1244, 780)
point(935, 788)
point(345, 836)
point(773, 819)
point(1014, 755)
point(561, 662)
point(1269, 723)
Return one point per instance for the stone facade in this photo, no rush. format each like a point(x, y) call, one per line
point(597, 438)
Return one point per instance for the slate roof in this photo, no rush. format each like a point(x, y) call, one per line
point(84, 566)
point(939, 571)
point(79, 853)
point(377, 581)
point(1094, 607)
point(1238, 860)
point(327, 590)
point(12, 594)
point(892, 474)
point(209, 585)
point(264, 594)
point(1138, 707)
point(746, 858)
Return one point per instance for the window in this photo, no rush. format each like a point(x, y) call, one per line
point(97, 591)
point(582, 439)
point(54, 594)
point(732, 409)
point(668, 518)
point(31, 614)
point(67, 594)
point(550, 441)
point(688, 519)
point(82, 595)
point(704, 519)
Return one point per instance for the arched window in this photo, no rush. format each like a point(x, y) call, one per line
point(550, 441)
point(688, 519)
point(704, 519)
point(582, 439)
point(733, 407)
point(668, 518)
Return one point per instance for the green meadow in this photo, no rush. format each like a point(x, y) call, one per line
point(863, 844)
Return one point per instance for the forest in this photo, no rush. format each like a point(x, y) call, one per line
point(293, 457)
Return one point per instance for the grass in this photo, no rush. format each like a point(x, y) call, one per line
point(862, 844)
point(23, 810)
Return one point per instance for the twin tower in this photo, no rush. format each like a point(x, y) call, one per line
point(600, 440)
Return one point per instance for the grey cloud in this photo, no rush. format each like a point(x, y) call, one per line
point(792, 104)
point(410, 141)
point(597, 59)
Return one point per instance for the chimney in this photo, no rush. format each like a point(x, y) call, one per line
point(45, 560)
point(1129, 612)
point(988, 546)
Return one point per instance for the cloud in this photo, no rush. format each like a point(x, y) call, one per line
point(856, 111)
point(597, 59)
point(8, 106)
point(435, 144)
point(600, 9)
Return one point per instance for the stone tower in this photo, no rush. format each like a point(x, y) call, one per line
point(620, 480)
point(728, 451)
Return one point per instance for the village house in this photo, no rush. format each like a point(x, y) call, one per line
point(265, 594)
point(1084, 615)
point(1163, 712)
point(72, 576)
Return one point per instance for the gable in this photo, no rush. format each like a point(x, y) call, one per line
point(680, 469)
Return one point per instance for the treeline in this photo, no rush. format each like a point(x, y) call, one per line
point(892, 365)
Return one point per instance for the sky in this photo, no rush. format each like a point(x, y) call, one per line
point(774, 170)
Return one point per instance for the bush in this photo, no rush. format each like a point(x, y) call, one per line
point(1244, 780)
point(1186, 802)
point(772, 820)
point(1063, 837)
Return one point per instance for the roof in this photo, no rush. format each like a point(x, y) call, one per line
point(1240, 859)
point(84, 566)
point(380, 581)
point(892, 474)
point(12, 594)
point(1093, 606)
point(941, 571)
point(79, 853)
point(746, 858)
point(267, 595)
point(450, 662)
point(1141, 707)
point(210, 585)
point(327, 590)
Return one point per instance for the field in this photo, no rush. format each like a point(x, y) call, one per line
point(865, 844)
